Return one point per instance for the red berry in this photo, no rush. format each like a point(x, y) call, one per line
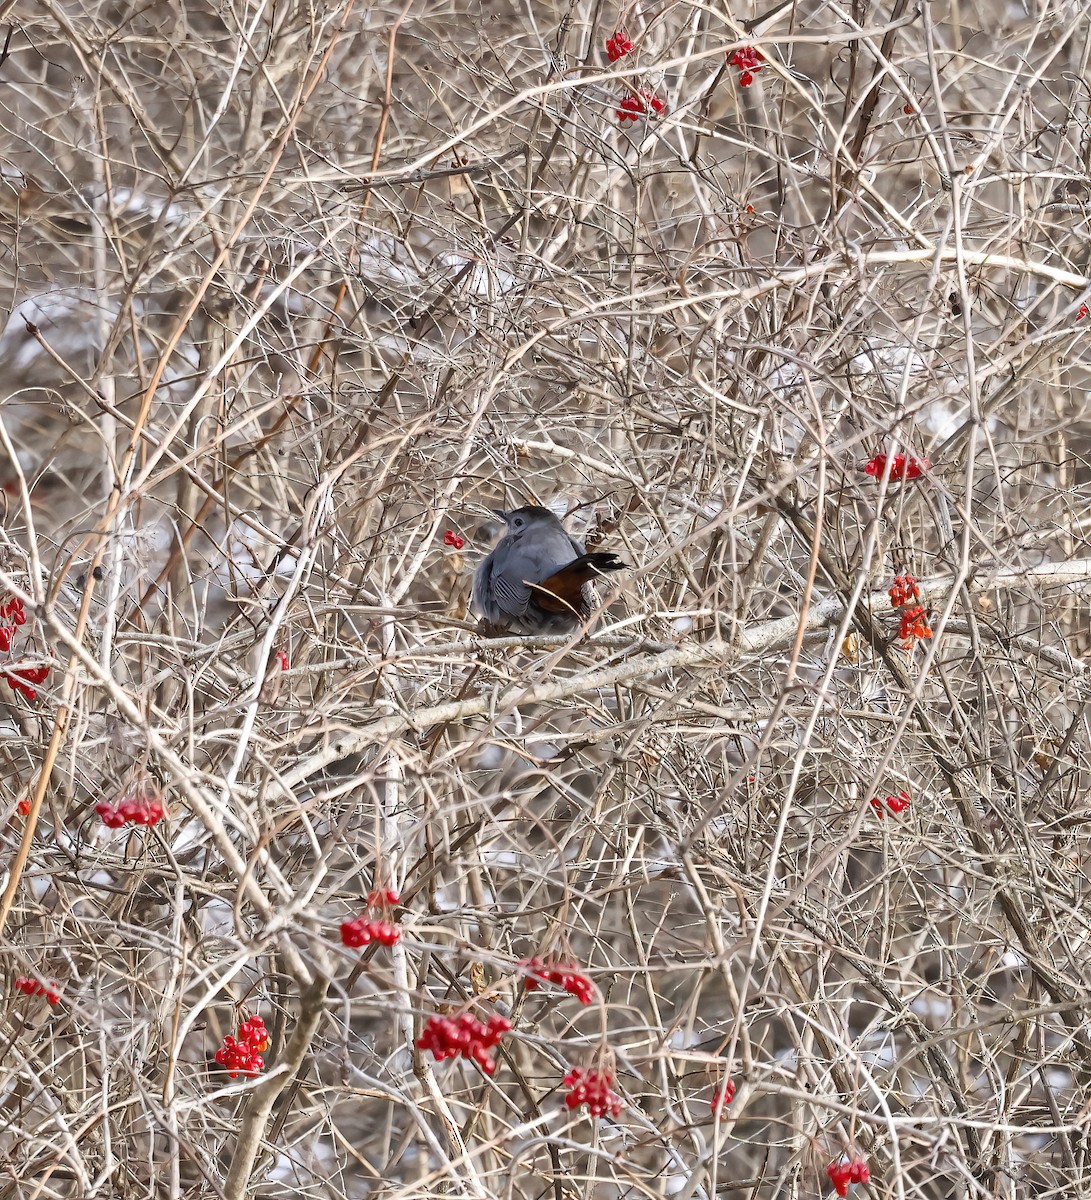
point(565, 975)
point(901, 467)
point(353, 934)
point(254, 1033)
point(465, 1036)
point(842, 1174)
point(32, 987)
point(904, 590)
point(749, 61)
point(618, 46)
point(110, 816)
point(385, 932)
point(636, 104)
point(239, 1056)
point(907, 109)
point(722, 1097)
point(593, 1088)
point(282, 660)
point(898, 803)
point(361, 930)
point(914, 624)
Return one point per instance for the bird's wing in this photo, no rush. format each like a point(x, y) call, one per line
point(510, 592)
point(527, 562)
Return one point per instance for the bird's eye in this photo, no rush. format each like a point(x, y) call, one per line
point(518, 523)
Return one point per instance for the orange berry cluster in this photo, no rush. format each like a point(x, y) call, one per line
point(904, 593)
point(914, 624)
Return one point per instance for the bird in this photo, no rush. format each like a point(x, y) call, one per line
point(538, 578)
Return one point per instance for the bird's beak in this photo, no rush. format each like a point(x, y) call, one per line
point(499, 512)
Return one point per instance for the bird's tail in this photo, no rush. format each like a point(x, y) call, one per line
point(563, 590)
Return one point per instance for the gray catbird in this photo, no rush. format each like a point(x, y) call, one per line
point(538, 578)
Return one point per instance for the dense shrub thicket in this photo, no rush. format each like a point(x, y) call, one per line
point(775, 880)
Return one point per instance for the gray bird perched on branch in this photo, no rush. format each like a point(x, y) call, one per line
point(538, 578)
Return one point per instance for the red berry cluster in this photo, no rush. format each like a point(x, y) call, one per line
point(722, 1097)
point(565, 975)
point(31, 987)
point(636, 105)
point(748, 59)
point(24, 806)
point(901, 467)
point(139, 808)
point(843, 1173)
point(1084, 312)
point(904, 591)
point(25, 679)
point(593, 1087)
point(450, 538)
point(242, 1055)
point(618, 46)
point(914, 624)
point(21, 679)
point(253, 1032)
point(464, 1035)
point(896, 804)
point(363, 929)
point(11, 611)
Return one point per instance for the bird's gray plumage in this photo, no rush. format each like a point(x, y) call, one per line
point(535, 546)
